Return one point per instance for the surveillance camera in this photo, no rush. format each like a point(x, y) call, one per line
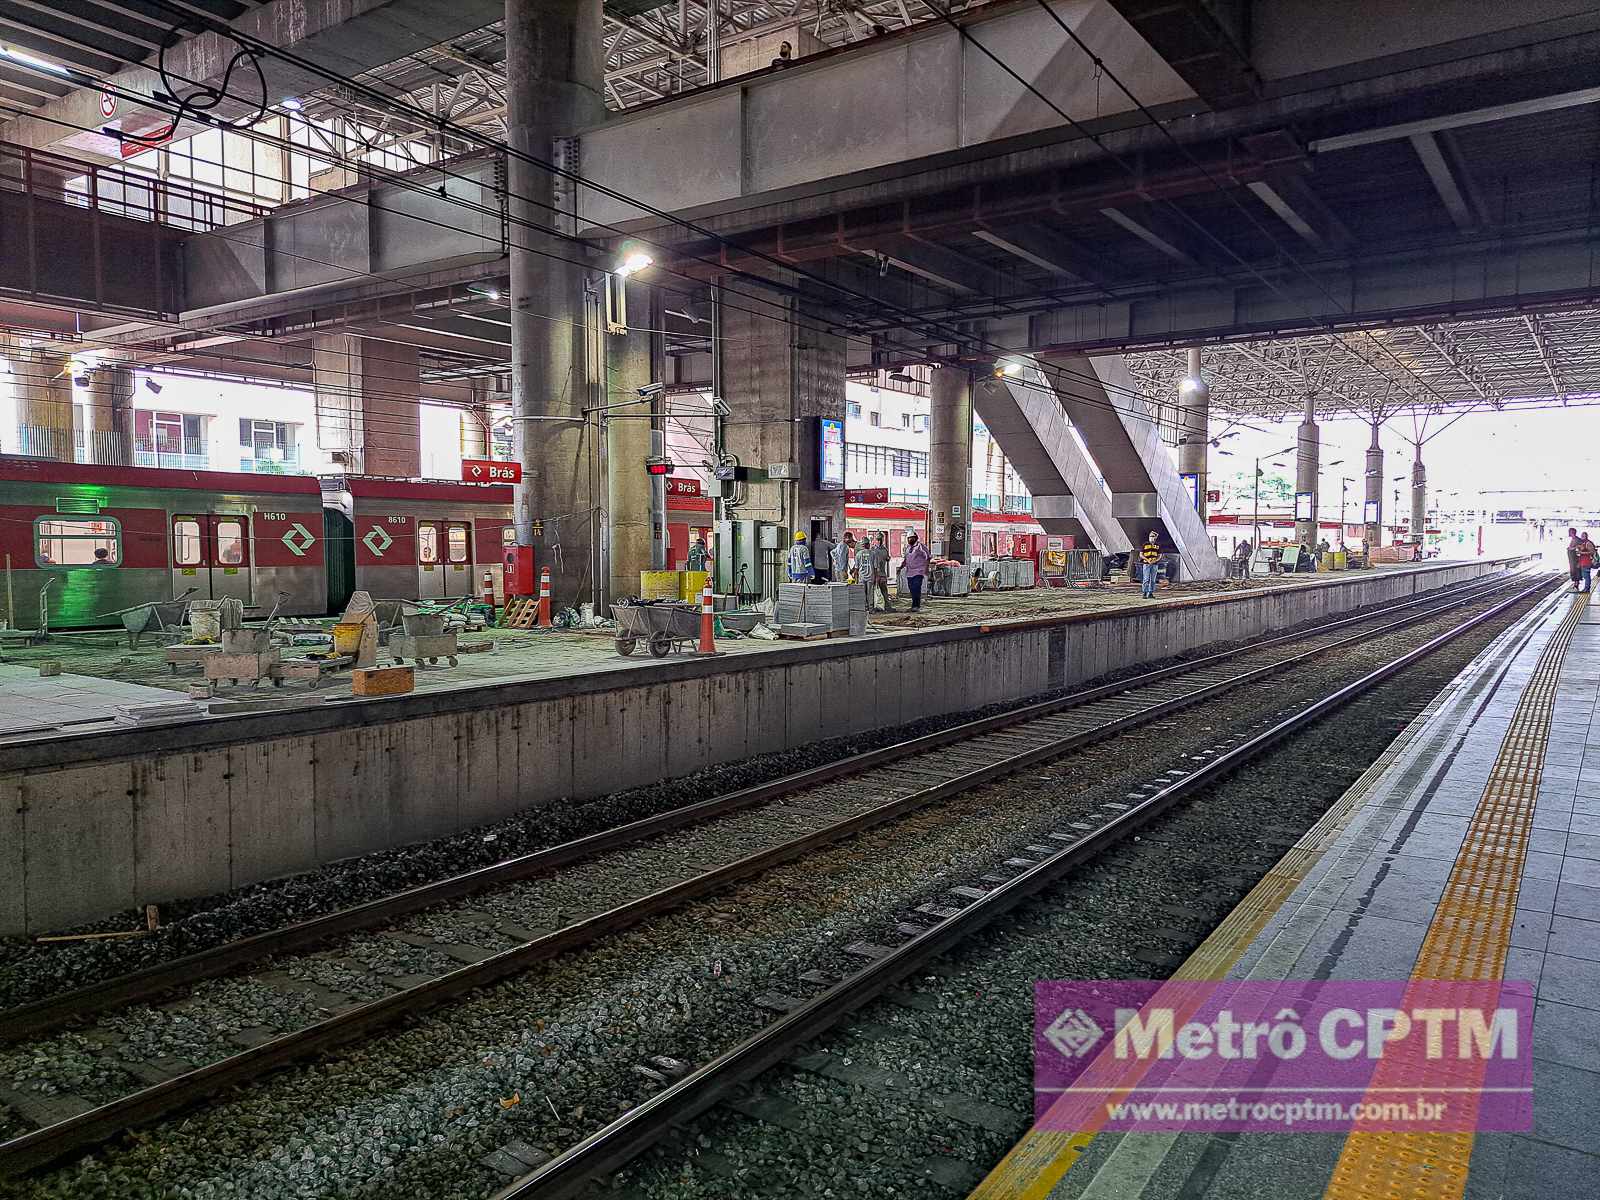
point(652, 389)
point(720, 407)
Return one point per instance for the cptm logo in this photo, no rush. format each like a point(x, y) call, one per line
point(1074, 1033)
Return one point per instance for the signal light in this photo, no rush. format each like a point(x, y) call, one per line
point(657, 466)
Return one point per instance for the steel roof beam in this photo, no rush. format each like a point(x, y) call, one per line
point(1444, 180)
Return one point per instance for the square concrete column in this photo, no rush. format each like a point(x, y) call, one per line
point(1308, 445)
point(780, 373)
point(368, 404)
point(1373, 531)
point(43, 395)
point(950, 461)
point(632, 533)
point(110, 440)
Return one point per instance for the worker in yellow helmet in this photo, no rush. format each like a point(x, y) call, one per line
point(799, 560)
point(1150, 564)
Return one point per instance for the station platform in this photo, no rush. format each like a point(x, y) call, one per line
point(1469, 851)
point(179, 804)
point(100, 672)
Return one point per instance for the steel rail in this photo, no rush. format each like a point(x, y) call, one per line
point(52, 1142)
point(43, 1016)
point(612, 1147)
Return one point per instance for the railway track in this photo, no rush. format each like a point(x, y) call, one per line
point(820, 806)
point(669, 1115)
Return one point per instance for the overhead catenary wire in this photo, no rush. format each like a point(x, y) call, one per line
point(1050, 368)
point(945, 332)
point(1046, 369)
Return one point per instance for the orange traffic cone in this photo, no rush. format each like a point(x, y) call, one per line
point(708, 622)
point(544, 599)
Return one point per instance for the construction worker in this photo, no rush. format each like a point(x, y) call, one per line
point(799, 561)
point(1150, 564)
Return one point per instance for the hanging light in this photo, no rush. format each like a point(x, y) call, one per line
point(635, 262)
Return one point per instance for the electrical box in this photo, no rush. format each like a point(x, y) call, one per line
point(783, 470)
point(771, 536)
point(519, 571)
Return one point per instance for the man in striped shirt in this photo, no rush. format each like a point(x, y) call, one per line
point(1149, 564)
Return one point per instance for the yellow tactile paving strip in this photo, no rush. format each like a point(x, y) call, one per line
point(1468, 936)
point(1034, 1166)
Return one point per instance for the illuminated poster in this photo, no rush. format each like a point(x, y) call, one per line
point(830, 455)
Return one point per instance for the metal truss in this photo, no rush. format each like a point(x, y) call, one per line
point(1519, 361)
point(651, 53)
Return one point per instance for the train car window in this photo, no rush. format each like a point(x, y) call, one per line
point(77, 542)
point(427, 543)
point(186, 547)
point(457, 535)
point(230, 542)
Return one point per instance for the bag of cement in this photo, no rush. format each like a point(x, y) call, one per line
point(765, 632)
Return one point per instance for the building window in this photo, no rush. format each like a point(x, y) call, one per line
point(169, 439)
point(853, 409)
point(902, 464)
point(266, 445)
point(905, 420)
point(920, 423)
point(873, 420)
point(77, 542)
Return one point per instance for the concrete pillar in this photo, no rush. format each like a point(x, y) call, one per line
point(781, 371)
point(950, 462)
point(110, 441)
point(1419, 495)
point(43, 396)
point(368, 404)
point(1307, 448)
point(554, 73)
point(1194, 429)
point(476, 440)
point(630, 527)
point(1374, 491)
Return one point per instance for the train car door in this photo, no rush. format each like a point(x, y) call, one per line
point(458, 558)
point(211, 554)
point(430, 560)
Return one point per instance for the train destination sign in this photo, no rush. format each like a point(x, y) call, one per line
point(488, 470)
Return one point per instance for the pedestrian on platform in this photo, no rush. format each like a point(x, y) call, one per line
point(839, 560)
point(1572, 557)
point(1150, 564)
point(878, 564)
point(698, 555)
point(821, 559)
point(799, 561)
point(1586, 559)
point(915, 566)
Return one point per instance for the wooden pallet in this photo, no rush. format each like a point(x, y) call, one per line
point(521, 612)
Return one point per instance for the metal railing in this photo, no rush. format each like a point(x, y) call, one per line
point(120, 191)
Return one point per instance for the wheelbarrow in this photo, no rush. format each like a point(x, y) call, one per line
point(663, 627)
point(160, 617)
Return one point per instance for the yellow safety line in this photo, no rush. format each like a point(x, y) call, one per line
point(1036, 1164)
point(1468, 937)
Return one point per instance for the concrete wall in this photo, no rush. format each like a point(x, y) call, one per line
point(94, 824)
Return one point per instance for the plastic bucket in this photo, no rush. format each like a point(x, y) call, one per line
point(205, 624)
point(694, 583)
point(347, 637)
point(660, 585)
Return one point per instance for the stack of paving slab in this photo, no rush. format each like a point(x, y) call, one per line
point(816, 609)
